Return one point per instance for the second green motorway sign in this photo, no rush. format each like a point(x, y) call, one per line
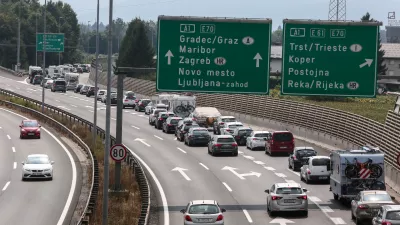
point(330, 58)
point(213, 55)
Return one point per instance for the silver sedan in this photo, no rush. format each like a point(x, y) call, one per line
point(257, 139)
point(205, 212)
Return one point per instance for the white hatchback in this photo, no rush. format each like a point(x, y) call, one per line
point(316, 168)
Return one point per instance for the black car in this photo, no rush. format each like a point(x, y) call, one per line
point(183, 129)
point(300, 154)
point(181, 122)
point(161, 118)
point(240, 134)
point(171, 124)
point(91, 91)
point(113, 99)
point(84, 89)
point(78, 88)
point(197, 136)
point(37, 79)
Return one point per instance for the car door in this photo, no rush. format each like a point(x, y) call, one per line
point(248, 139)
point(272, 190)
point(354, 203)
point(304, 167)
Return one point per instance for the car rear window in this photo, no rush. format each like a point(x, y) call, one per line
point(225, 140)
point(321, 162)
point(283, 137)
point(376, 197)
point(203, 209)
point(113, 95)
point(166, 115)
point(174, 121)
point(227, 120)
point(200, 131)
point(234, 126)
point(289, 190)
point(156, 112)
point(187, 127)
point(393, 215)
point(245, 131)
point(59, 82)
point(130, 97)
point(261, 135)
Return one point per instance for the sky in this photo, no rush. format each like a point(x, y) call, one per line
point(276, 10)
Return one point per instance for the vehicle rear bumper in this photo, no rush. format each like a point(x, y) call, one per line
point(319, 177)
point(300, 207)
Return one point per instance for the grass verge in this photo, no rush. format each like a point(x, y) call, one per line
point(121, 211)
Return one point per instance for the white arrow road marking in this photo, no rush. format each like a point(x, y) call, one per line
point(248, 217)
point(142, 141)
point(326, 209)
point(281, 221)
point(158, 137)
point(241, 176)
point(269, 168)
point(338, 220)
point(182, 172)
point(280, 175)
point(136, 127)
point(169, 55)
point(181, 150)
point(227, 186)
point(13, 149)
point(5, 186)
point(205, 167)
point(314, 199)
point(367, 62)
point(257, 58)
point(248, 157)
point(15, 165)
point(259, 162)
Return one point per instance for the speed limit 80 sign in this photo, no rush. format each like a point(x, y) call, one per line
point(118, 152)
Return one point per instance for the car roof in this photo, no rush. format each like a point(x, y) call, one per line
point(233, 123)
point(223, 136)
point(198, 202)
point(38, 155)
point(199, 128)
point(319, 157)
point(176, 118)
point(373, 192)
point(282, 185)
point(227, 117)
point(244, 128)
point(303, 148)
point(391, 207)
point(145, 99)
point(281, 131)
point(261, 132)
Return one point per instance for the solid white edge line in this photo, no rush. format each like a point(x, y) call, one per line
point(205, 167)
point(13, 149)
point(181, 150)
point(15, 165)
point(158, 137)
point(227, 186)
point(8, 136)
point(294, 172)
point(5, 186)
point(73, 165)
point(247, 216)
point(159, 187)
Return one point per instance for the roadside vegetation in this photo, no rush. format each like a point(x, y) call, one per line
point(122, 210)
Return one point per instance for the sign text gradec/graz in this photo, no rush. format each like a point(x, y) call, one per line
point(330, 58)
point(213, 55)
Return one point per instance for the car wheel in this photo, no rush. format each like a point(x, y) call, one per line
point(23, 179)
point(289, 165)
point(251, 146)
point(51, 178)
point(305, 213)
point(336, 197)
point(39, 137)
point(235, 154)
point(213, 153)
point(20, 136)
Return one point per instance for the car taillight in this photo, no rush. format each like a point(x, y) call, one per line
point(220, 217)
point(228, 130)
point(254, 139)
point(187, 218)
point(303, 197)
point(363, 207)
point(294, 157)
point(170, 125)
point(222, 123)
point(190, 136)
point(308, 171)
point(193, 119)
point(275, 197)
point(126, 100)
point(386, 223)
point(217, 145)
point(234, 144)
point(141, 105)
point(160, 119)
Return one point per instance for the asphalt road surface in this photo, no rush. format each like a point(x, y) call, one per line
point(188, 173)
point(34, 202)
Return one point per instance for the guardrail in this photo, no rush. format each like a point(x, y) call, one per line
point(133, 163)
point(18, 74)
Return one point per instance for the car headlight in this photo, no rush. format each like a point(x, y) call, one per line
point(27, 170)
point(47, 170)
point(23, 130)
point(38, 130)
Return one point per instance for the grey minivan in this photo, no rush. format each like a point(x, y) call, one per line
point(59, 85)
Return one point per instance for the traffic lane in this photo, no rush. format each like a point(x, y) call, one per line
point(42, 200)
point(182, 178)
point(7, 156)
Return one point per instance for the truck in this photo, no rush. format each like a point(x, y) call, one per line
point(72, 80)
point(182, 105)
point(34, 69)
point(205, 116)
point(352, 171)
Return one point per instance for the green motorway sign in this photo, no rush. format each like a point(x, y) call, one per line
point(54, 42)
point(213, 55)
point(329, 58)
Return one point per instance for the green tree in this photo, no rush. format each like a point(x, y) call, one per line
point(136, 50)
point(381, 68)
point(276, 37)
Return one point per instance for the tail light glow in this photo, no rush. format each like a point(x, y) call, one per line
point(217, 145)
point(308, 171)
point(187, 218)
point(275, 198)
point(303, 197)
point(220, 217)
point(386, 223)
point(222, 123)
point(363, 207)
point(234, 144)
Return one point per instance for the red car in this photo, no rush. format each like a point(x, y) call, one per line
point(29, 128)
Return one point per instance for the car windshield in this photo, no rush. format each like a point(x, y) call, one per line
point(283, 137)
point(59, 82)
point(158, 111)
point(30, 124)
point(248, 132)
point(289, 190)
point(37, 160)
point(225, 140)
point(393, 215)
point(200, 131)
point(166, 115)
point(101, 92)
point(174, 121)
point(203, 209)
point(227, 120)
point(376, 197)
point(261, 135)
point(144, 102)
point(321, 162)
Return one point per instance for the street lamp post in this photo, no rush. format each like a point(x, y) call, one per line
point(88, 43)
point(59, 27)
point(44, 52)
point(36, 40)
point(19, 36)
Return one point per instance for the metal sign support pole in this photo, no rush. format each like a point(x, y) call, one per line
point(120, 96)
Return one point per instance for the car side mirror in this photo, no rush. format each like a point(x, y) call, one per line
point(20, 126)
point(40, 125)
point(52, 162)
point(392, 197)
point(182, 210)
point(223, 210)
point(266, 191)
point(305, 190)
point(23, 163)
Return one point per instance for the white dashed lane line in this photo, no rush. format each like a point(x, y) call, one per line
point(280, 175)
point(294, 172)
point(247, 216)
point(13, 149)
point(74, 106)
point(205, 167)
point(5, 186)
point(15, 165)
point(248, 157)
point(136, 127)
point(227, 186)
point(158, 137)
point(181, 150)
point(113, 119)
point(8, 136)
point(269, 168)
point(259, 162)
point(57, 100)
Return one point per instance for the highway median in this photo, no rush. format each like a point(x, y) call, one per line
point(123, 209)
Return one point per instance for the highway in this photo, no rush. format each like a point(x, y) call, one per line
point(189, 173)
point(34, 202)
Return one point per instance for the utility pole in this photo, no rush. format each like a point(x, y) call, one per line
point(108, 115)
point(36, 40)
point(94, 137)
point(59, 27)
point(44, 53)
point(88, 42)
point(19, 36)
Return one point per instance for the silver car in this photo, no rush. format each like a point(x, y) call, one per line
point(204, 212)
point(228, 128)
point(37, 166)
point(367, 204)
point(287, 197)
point(387, 215)
point(257, 139)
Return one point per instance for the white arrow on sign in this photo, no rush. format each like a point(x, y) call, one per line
point(241, 176)
point(169, 55)
point(143, 142)
point(367, 62)
point(257, 58)
point(281, 221)
point(182, 172)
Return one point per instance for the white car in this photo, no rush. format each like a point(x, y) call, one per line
point(147, 109)
point(104, 96)
point(207, 212)
point(257, 139)
point(316, 168)
point(37, 166)
point(100, 94)
point(228, 128)
point(129, 101)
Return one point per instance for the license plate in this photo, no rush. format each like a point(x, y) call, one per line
point(205, 220)
point(31, 133)
point(283, 147)
point(36, 173)
point(226, 146)
point(323, 178)
point(289, 201)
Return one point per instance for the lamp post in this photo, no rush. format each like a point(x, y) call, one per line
point(19, 36)
point(88, 43)
point(36, 40)
point(96, 76)
point(59, 27)
point(44, 52)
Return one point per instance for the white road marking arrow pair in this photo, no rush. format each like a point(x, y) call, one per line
point(182, 172)
point(241, 176)
point(142, 141)
point(281, 221)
